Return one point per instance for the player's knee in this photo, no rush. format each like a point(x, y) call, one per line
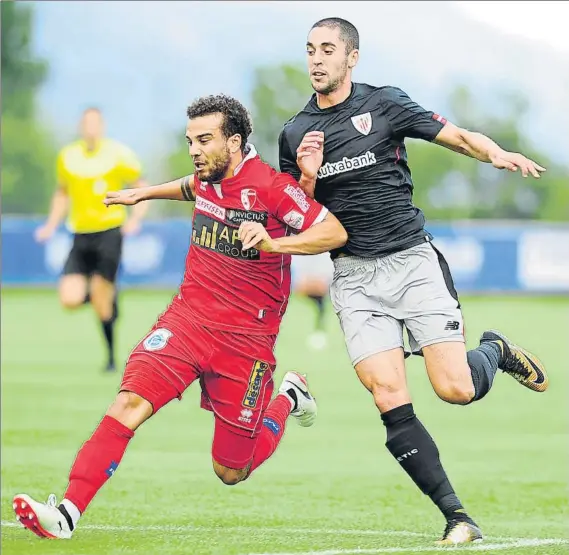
point(455, 392)
point(388, 395)
point(130, 409)
point(229, 476)
point(70, 298)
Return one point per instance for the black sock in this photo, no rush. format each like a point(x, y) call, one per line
point(108, 331)
point(115, 308)
point(319, 300)
point(416, 452)
point(483, 362)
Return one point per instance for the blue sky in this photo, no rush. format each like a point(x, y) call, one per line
point(143, 62)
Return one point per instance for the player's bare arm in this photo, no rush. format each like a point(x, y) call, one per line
point(485, 149)
point(309, 157)
point(180, 189)
point(134, 222)
point(57, 213)
point(321, 237)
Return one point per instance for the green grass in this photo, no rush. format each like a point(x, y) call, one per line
point(331, 488)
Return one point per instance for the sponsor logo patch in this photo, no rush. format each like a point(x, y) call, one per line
point(219, 237)
point(239, 216)
point(347, 165)
point(298, 195)
point(255, 382)
point(272, 425)
point(210, 208)
point(294, 219)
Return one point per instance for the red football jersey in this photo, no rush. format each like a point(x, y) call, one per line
point(225, 287)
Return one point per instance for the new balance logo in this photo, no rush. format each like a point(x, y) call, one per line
point(347, 165)
point(408, 454)
point(452, 325)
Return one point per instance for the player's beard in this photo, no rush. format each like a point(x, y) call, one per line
point(335, 82)
point(218, 167)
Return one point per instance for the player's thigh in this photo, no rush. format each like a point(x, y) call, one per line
point(73, 289)
point(367, 328)
point(449, 371)
point(164, 364)
point(383, 375)
point(237, 384)
point(429, 304)
point(74, 281)
point(109, 251)
point(232, 451)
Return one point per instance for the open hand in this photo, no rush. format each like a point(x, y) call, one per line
point(505, 160)
point(310, 153)
point(127, 197)
point(44, 233)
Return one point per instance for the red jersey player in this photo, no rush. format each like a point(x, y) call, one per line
point(222, 326)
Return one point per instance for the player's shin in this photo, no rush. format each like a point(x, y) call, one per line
point(96, 462)
point(272, 430)
point(483, 362)
point(414, 449)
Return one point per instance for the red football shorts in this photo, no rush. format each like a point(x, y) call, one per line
point(235, 372)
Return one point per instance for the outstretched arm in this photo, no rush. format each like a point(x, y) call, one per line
point(485, 149)
point(179, 189)
point(323, 236)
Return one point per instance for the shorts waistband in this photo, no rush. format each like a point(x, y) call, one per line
point(348, 262)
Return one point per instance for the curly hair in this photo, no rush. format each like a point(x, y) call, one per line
point(236, 118)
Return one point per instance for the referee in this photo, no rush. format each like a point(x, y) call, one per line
point(346, 147)
point(86, 170)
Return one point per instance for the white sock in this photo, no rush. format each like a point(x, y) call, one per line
point(73, 511)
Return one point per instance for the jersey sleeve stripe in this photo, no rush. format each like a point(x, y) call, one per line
point(323, 213)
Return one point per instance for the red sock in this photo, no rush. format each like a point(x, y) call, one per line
point(274, 423)
point(96, 461)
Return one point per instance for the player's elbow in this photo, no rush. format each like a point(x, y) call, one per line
point(340, 235)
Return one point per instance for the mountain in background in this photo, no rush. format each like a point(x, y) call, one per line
point(143, 62)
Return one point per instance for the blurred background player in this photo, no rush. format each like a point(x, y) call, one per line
point(312, 276)
point(86, 170)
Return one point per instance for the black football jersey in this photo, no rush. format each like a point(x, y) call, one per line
point(364, 179)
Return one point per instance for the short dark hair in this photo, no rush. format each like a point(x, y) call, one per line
point(348, 32)
point(236, 118)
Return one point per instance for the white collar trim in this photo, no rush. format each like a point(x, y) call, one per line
point(251, 153)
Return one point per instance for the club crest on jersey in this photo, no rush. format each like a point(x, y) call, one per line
point(363, 123)
point(157, 340)
point(248, 198)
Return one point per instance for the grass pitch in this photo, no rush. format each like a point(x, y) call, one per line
point(330, 489)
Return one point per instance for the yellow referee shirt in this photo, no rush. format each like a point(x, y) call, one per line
point(88, 175)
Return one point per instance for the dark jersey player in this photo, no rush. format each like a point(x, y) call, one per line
point(222, 326)
point(346, 148)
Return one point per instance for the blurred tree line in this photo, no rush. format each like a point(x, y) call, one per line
point(447, 185)
point(28, 151)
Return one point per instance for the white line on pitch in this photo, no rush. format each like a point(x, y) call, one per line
point(521, 543)
point(511, 542)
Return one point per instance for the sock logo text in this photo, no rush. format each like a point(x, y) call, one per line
point(407, 455)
